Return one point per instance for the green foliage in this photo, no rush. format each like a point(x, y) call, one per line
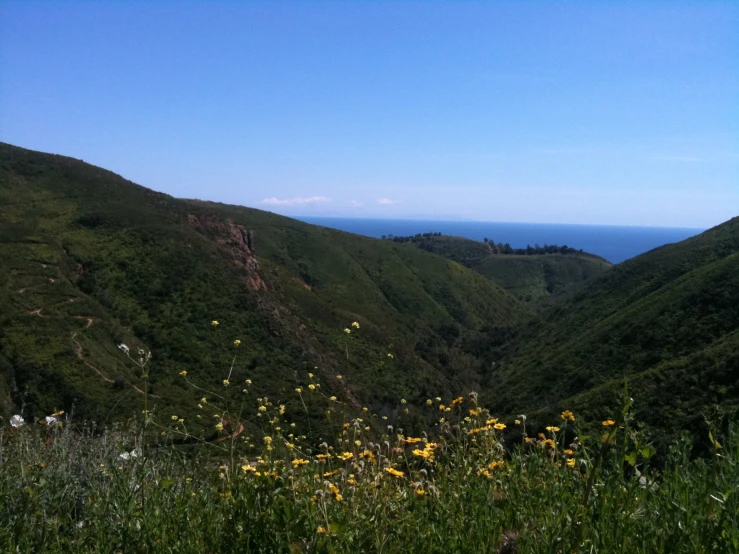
point(456, 488)
point(530, 276)
point(89, 260)
point(667, 321)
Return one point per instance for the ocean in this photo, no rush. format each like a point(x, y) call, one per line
point(614, 243)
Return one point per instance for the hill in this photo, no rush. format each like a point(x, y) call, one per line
point(89, 260)
point(529, 277)
point(667, 320)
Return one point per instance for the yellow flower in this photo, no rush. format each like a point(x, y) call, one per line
point(347, 331)
point(214, 323)
point(425, 454)
point(571, 462)
point(310, 376)
point(492, 466)
point(346, 455)
point(457, 401)
point(402, 401)
point(268, 440)
point(429, 402)
point(180, 421)
point(569, 452)
point(394, 472)
point(297, 462)
point(174, 418)
point(483, 472)
point(203, 400)
point(389, 355)
point(420, 491)
point(322, 531)
point(475, 411)
point(552, 429)
point(549, 443)
point(499, 426)
point(567, 414)
point(413, 440)
point(262, 408)
point(609, 423)
point(200, 406)
point(355, 325)
point(226, 382)
point(442, 407)
point(312, 386)
point(298, 390)
point(358, 443)
point(339, 377)
point(438, 399)
point(183, 372)
point(517, 422)
point(248, 469)
point(323, 457)
point(219, 426)
point(248, 381)
point(333, 399)
point(237, 342)
point(492, 421)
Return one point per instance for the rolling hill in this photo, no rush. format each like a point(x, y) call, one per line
point(668, 321)
point(89, 260)
point(532, 278)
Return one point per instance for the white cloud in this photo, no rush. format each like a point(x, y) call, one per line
point(387, 201)
point(296, 201)
point(356, 203)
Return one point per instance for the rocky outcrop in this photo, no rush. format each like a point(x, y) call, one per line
point(236, 242)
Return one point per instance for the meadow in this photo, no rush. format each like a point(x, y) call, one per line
point(469, 483)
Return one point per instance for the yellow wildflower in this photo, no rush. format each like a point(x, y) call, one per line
point(339, 377)
point(429, 402)
point(219, 426)
point(567, 415)
point(248, 469)
point(321, 530)
point(420, 491)
point(499, 426)
point(174, 418)
point(214, 323)
point(312, 386)
point(571, 462)
point(237, 342)
point(332, 399)
point(183, 373)
point(346, 455)
point(347, 331)
point(262, 408)
point(355, 325)
point(457, 401)
point(552, 429)
point(609, 423)
point(297, 462)
point(389, 355)
point(569, 452)
point(226, 382)
point(394, 472)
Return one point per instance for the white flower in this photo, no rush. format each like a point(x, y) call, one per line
point(125, 456)
point(17, 421)
point(123, 347)
point(50, 420)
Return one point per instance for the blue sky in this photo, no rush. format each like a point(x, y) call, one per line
point(622, 113)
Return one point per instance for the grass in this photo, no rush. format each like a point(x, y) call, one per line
point(469, 483)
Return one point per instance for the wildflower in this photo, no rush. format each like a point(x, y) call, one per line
point(549, 443)
point(517, 422)
point(384, 418)
point(420, 491)
point(322, 531)
point(339, 377)
point(331, 473)
point(457, 401)
point(425, 454)
point(347, 331)
point(569, 452)
point(346, 455)
point(442, 407)
point(323, 457)
point(358, 443)
point(124, 348)
point(475, 411)
point(297, 462)
point(355, 325)
point(174, 418)
point(50, 420)
point(312, 386)
point(403, 401)
point(438, 399)
point(492, 421)
point(499, 426)
point(492, 466)
point(609, 423)
point(483, 472)
point(571, 462)
point(237, 342)
point(298, 390)
point(552, 429)
point(214, 323)
point(529, 440)
point(333, 399)
point(389, 355)
point(268, 440)
point(413, 440)
point(183, 373)
point(248, 381)
point(203, 400)
point(567, 415)
point(226, 383)
point(429, 402)
point(180, 421)
point(394, 472)
point(219, 426)
point(248, 469)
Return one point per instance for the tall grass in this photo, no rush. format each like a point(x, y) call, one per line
point(470, 483)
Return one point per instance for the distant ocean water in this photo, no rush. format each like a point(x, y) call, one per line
point(614, 243)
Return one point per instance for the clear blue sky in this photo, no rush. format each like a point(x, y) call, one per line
point(563, 112)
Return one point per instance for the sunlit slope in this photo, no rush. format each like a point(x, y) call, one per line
point(667, 320)
point(89, 260)
point(531, 278)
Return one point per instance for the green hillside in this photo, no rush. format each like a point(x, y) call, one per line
point(668, 320)
point(531, 278)
point(89, 260)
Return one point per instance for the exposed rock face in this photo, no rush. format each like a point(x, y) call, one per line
point(237, 242)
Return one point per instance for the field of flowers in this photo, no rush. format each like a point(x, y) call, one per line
point(470, 483)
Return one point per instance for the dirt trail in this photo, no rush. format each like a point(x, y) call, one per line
point(36, 312)
point(90, 319)
point(78, 348)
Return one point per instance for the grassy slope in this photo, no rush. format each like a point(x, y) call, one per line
point(83, 244)
point(668, 320)
point(529, 278)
